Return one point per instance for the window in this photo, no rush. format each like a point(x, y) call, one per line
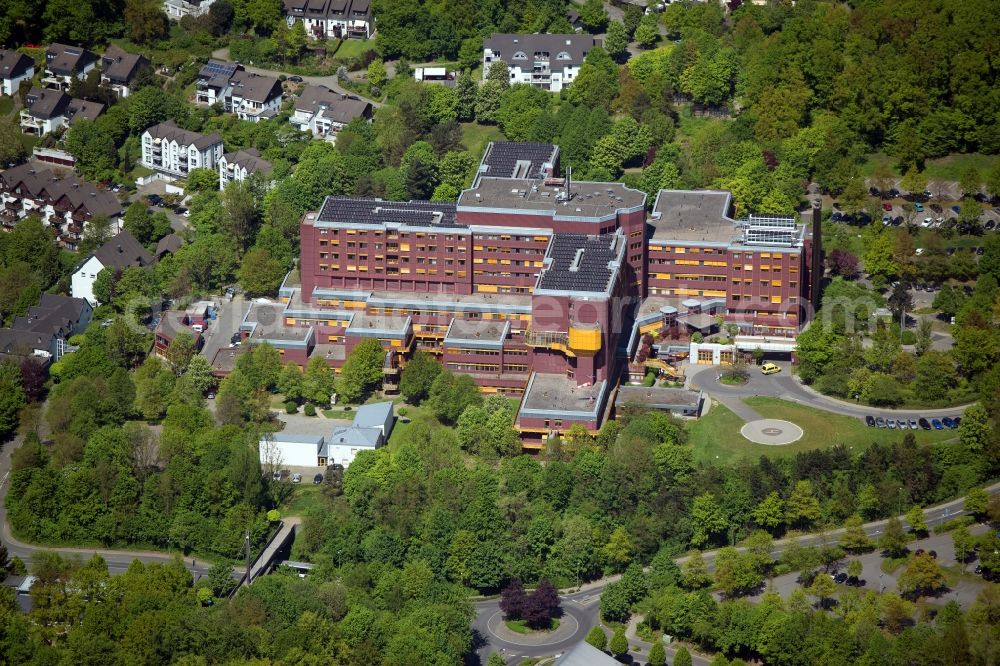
point(520, 55)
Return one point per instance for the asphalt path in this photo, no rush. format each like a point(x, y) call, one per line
point(786, 386)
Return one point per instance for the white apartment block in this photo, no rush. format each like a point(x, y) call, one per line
point(173, 151)
point(549, 62)
point(240, 165)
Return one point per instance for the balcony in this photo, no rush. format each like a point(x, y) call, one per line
point(551, 339)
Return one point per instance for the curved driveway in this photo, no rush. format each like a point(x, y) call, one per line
point(788, 387)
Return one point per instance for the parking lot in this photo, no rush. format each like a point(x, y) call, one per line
point(159, 188)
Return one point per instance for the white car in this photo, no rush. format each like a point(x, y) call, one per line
point(927, 222)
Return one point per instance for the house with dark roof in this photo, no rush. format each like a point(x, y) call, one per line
point(66, 204)
point(63, 63)
point(169, 244)
point(323, 112)
point(15, 67)
point(332, 19)
point(44, 331)
point(119, 68)
point(549, 62)
point(48, 110)
point(240, 165)
point(214, 83)
point(121, 252)
point(254, 96)
point(173, 151)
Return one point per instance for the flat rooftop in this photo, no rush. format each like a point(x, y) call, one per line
point(330, 352)
point(464, 331)
point(576, 262)
point(589, 200)
point(420, 300)
point(363, 210)
point(269, 324)
point(693, 215)
point(365, 324)
point(658, 396)
point(556, 393)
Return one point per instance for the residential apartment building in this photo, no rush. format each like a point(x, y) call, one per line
point(64, 63)
point(43, 333)
point(66, 204)
point(250, 96)
point(323, 112)
point(173, 151)
point(240, 165)
point(119, 68)
point(178, 9)
point(15, 67)
point(121, 252)
point(48, 110)
point(549, 62)
point(533, 284)
point(332, 19)
point(254, 97)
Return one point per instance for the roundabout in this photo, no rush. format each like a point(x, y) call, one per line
point(772, 432)
point(568, 627)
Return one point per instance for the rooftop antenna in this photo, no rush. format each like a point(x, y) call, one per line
point(569, 182)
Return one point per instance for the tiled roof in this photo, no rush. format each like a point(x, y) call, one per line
point(171, 132)
point(64, 59)
point(46, 104)
point(13, 64)
point(120, 66)
point(574, 48)
point(338, 107)
point(123, 251)
point(256, 87)
point(80, 193)
point(249, 159)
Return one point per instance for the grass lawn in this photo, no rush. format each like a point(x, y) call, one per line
point(476, 136)
point(304, 497)
point(6, 105)
point(353, 48)
point(520, 627)
point(943, 168)
point(716, 437)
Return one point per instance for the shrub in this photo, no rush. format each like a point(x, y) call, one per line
point(650, 379)
point(291, 407)
point(402, 411)
point(310, 410)
point(697, 337)
point(909, 338)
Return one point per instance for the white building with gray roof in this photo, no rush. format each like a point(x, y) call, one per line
point(549, 62)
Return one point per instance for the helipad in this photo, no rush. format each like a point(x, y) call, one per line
point(773, 432)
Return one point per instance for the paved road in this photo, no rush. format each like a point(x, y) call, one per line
point(118, 560)
point(330, 82)
point(788, 387)
point(584, 605)
point(227, 321)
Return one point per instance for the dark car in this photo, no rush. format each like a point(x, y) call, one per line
point(236, 337)
point(880, 422)
point(180, 210)
point(318, 479)
point(924, 423)
point(956, 209)
point(898, 220)
point(957, 421)
point(295, 79)
point(836, 216)
point(948, 423)
point(840, 578)
point(937, 424)
point(874, 191)
point(870, 420)
point(154, 199)
point(980, 250)
point(990, 224)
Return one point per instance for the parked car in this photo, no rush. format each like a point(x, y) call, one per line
point(957, 421)
point(837, 216)
point(840, 578)
point(956, 209)
point(180, 210)
point(870, 420)
point(769, 368)
point(937, 424)
point(318, 479)
point(903, 424)
point(891, 423)
point(990, 224)
point(296, 478)
point(913, 424)
point(211, 395)
point(893, 192)
point(874, 191)
point(295, 79)
point(947, 423)
point(919, 207)
point(880, 422)
point(924, 423)
point(887, 206)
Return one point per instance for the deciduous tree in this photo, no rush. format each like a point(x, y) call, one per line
point(362, 371)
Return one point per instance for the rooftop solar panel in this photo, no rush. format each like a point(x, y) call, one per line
point(580, 262)
point(375, 211)
point(505, 159)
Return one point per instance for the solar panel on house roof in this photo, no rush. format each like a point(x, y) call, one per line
point(214, 67)
point(579, 263)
